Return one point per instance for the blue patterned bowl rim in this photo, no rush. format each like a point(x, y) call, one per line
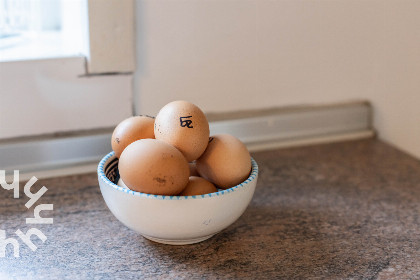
point(102, 176)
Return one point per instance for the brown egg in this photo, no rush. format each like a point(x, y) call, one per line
point(198, 186)
point(226, 161)
point(193, 169)
point(130, 130)
point(153, 166)
point(184, 126)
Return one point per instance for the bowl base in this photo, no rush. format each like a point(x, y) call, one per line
point(178, 242)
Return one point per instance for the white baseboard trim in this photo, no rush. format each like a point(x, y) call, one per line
point(61, 156)
point(255, 147)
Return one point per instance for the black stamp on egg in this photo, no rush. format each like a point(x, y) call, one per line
point(186, 122)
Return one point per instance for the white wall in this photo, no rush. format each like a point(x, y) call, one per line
point(54, 95)
point(396, 94)
point(234, 55)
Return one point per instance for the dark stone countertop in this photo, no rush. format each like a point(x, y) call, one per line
point(344, 210)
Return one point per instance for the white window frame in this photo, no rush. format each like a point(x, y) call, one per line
point(111, 24)
point(28, 88)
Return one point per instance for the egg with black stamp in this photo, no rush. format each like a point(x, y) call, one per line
point(184, 126)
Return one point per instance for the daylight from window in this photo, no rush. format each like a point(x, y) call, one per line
point(35, 29)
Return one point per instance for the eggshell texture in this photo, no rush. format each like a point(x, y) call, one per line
point(184, 126)
point(198, 186)
point(226, 161)
point(153, 166)
point(130, 130)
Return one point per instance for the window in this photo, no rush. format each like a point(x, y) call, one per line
point(61, 91)
point(34, 29)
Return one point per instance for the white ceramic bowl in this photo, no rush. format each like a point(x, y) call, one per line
point(175, 220)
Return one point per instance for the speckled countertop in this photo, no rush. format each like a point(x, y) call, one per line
point(344, 210)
